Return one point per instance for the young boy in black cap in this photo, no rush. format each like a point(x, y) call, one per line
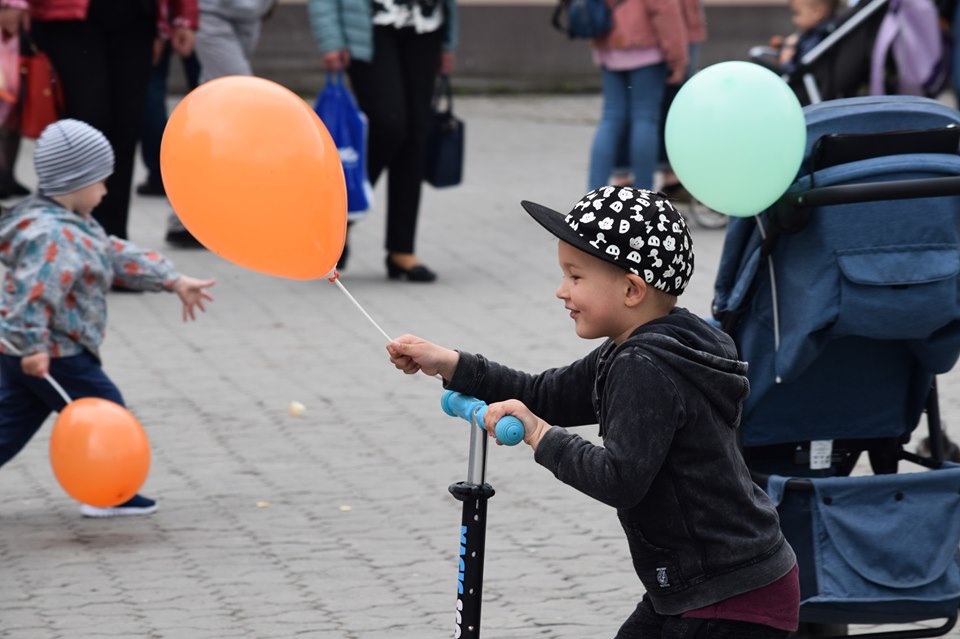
point(666, 389)
point(60, 264)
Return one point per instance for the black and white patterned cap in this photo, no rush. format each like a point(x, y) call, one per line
point(635, 229)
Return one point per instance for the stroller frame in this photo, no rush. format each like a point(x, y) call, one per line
point(735, 303)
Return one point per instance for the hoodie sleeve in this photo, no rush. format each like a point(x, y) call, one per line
point(139, 268)
point(560, 395)
point(35, 286)
point(641, 412)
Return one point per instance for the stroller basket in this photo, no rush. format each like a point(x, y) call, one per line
point(875, 549)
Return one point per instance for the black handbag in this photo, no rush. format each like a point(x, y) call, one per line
point(443, 165)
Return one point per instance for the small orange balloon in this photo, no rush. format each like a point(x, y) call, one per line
point(253, 173)
point(99, 452)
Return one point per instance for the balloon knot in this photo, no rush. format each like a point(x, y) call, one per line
point(334, 277)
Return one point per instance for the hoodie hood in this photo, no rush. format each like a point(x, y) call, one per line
point(702, 355)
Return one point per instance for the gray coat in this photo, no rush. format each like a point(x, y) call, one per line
point(236, 9)
point(348, 24)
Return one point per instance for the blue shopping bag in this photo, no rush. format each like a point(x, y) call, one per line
point(348, 128)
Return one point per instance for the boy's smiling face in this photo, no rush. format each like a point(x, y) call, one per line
point(594, 292)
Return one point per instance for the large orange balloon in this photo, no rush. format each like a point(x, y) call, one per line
point(253, 173)
point(99, 452)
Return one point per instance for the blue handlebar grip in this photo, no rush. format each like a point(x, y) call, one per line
point(509, 429)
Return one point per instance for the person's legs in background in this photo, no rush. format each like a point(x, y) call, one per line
point(223, 47)
point(419, 59)
point(104, 66)
point(645, 96)
point(154, 121)
point(394, 90)
point(9, 148)
point(155, 116)
point(613, 126)
point(670, 184)
point(955, 24)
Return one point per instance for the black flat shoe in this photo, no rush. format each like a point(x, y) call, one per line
point(418, 273)
point(151, 189)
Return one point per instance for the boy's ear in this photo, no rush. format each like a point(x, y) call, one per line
point(636, 290)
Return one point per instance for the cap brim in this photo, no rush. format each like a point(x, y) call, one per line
point(555, 222)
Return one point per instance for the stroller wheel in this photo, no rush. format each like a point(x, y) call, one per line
point(705, 217)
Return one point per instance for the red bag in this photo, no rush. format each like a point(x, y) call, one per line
point(41, 96)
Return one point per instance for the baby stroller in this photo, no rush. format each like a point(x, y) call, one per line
point(876, 47)
point(843, 299)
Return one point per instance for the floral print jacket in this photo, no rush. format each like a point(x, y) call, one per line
point(59, 267)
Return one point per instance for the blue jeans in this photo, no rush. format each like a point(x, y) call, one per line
point(26, 401)
point(956, 48)
point(646, 623)
point(155, 109)
point(631, 106)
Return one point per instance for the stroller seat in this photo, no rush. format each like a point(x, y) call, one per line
point(876, 46)
point(844, 299)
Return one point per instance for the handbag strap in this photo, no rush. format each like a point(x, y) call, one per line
point(443, 89)
point(27, 46)
point(335, 78)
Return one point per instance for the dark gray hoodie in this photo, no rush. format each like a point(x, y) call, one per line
point(668, 403)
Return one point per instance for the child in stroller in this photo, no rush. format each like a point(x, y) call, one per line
point(814, 20)
point(873, 47)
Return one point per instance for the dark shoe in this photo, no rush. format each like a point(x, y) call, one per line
point(676, 192)
point(418, 273)
point(13, 189)
point(136, 505)
point(182, 238)
point(151, 189)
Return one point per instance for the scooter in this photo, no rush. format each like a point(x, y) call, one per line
point(474, 493)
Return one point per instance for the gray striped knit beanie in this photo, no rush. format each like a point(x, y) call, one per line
point(71, 155)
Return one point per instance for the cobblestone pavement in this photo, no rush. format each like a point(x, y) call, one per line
point(337, 524)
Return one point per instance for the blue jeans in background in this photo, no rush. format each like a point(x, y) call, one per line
point(631, 106)
point(155, 110)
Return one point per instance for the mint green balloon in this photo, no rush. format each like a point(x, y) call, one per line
point(735, 136)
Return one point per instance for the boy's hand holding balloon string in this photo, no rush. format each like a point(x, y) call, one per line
point(412, 354)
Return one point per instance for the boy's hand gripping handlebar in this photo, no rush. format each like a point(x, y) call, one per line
point(509, 429)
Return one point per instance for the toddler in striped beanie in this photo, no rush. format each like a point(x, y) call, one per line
point(60, 265)
point(71, 155)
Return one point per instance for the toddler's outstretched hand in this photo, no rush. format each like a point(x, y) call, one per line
point(533, 426)
point(410, 354)
point(192, 293)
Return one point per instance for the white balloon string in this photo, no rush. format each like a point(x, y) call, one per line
point(57, 387)
point(336, 280)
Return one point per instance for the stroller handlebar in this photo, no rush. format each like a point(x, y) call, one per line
point(509, 429)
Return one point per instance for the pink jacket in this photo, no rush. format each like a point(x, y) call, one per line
point(669, 25)
point(180, 13)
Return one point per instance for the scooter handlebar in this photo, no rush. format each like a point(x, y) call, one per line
point(509, 429)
